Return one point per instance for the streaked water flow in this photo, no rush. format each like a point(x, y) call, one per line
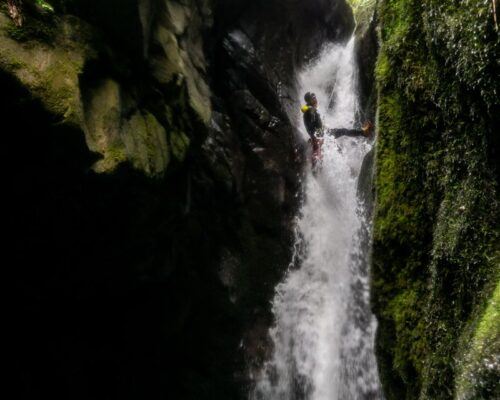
point(324, 331)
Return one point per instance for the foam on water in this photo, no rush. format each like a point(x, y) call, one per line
point(324, 331)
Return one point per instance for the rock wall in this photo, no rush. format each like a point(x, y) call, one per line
point(436, 266)
point(153, 196)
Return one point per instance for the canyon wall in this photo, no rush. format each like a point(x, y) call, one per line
point(436, 265)
point(153, 198)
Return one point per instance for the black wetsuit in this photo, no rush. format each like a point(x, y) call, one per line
point(312, 121)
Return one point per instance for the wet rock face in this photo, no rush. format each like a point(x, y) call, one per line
point(175, 47)
point(435, 272)
point(286, 34)
point(367, 49)
point(158, 187)
point(261, 46)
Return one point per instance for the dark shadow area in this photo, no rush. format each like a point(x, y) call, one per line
point(115, 291)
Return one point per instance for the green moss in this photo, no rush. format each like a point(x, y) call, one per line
point(35, 27)
point(405, 309)
point(488, 331)
point(382, 69)
point(435, 229)
point(113, 156)
point(59, 85)
point(48, 54)
point(363, 12)
point(396, 22)
point(116, 153)
point(146, 143)
point(50, 72)
point(466, 38)
point(45, 5)
point(480, 365)
point(180, 144)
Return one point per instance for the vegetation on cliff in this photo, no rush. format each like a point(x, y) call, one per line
point(363, 12)
point(436, 254)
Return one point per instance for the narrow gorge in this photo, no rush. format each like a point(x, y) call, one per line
point(172, 238)
point(323, 337)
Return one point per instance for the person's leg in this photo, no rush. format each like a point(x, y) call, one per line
point(316, 156)
point(355, 133)
point(336, 133)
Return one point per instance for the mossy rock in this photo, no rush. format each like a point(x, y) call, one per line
point(146, 144)
point(50, 72)
point(363, 13)
point(435, 229)
point(480, 366)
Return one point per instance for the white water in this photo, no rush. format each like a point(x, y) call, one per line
point(323, 335)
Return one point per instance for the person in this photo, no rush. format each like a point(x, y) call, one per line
point(366, 131)
point(314, 125)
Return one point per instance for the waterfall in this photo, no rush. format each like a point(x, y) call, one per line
point(323, 336)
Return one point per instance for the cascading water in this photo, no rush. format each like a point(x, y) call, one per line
point(323, 335)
